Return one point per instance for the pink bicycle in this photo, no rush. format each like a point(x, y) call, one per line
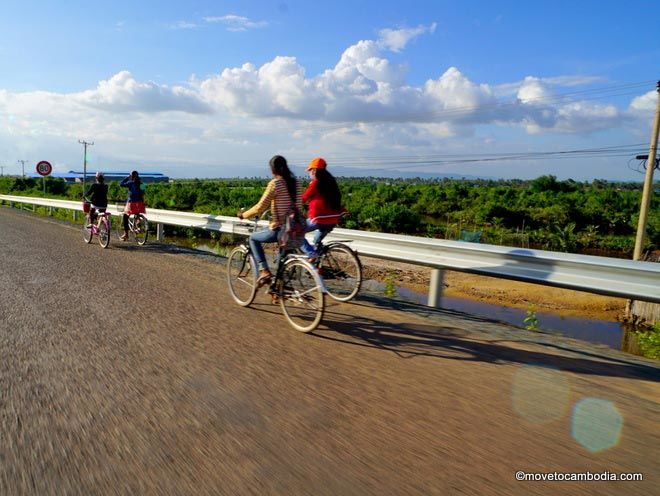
point(101, 228)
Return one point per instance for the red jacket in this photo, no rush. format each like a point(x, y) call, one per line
point(319, 211)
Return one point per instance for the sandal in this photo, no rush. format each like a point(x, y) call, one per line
point(264, 278)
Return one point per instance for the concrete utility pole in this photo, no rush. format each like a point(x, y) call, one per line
point(22, 162)
point(648, 182)
point(85, 145)
point(2, 169)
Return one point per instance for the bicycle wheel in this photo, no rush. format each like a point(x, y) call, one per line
point(241, 276)
point(341, 270)
point(87, 230)
point(301, 296)
point(104, 232)
point(140, 229)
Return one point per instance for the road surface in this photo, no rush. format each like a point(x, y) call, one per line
point(130, 371)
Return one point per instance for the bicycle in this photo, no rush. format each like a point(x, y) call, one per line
point(101, 228)
point(138, 226)
point(340, 268)
point(296, 285)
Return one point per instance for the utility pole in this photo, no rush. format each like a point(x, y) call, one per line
point(2, 168)
point(648, 182)
point(22, 162)
point(85, 145)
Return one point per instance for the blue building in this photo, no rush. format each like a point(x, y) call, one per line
point(77, 177)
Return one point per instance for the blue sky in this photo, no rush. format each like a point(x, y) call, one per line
point(213, 89)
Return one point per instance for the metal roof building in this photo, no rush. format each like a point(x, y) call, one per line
point(77, 177)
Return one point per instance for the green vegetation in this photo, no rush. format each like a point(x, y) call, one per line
point(542, 213)
point(390, 287)
point(531, 321)
point(649, 341)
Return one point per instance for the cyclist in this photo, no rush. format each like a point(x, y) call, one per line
point(97, 195)
point(135, 202)
point(324, 199)
point(280, 194)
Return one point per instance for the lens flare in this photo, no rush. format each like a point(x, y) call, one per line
point(597, 424)
point(540, 394)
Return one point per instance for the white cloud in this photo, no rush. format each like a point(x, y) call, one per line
point(362, 103)
point(397, 39)
point(645, 104)
point(236, 22)
point(184, 25)
point(123, 93)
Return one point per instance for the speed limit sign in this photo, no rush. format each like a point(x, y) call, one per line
point(44, 168)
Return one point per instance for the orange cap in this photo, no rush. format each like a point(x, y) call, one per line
point(317, 163)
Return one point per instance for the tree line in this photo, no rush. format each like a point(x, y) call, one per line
point(547, 213)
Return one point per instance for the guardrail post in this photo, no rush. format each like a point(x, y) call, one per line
point(160, 232)
point(75, 215)
point(435, 288)
point(50, 211)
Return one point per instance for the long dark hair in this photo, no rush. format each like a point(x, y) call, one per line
point(135, 177)
point(279, 166)
point(329, 189)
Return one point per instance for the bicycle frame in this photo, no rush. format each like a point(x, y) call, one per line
point(139, 230)
point(95, 228)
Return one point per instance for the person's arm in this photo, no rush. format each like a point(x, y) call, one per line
point(263, 204)
point(125, 182)
point(89, 190)
point(310, 191)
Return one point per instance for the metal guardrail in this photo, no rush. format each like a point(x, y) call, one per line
point(608, 276)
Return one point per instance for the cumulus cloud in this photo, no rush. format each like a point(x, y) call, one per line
point(236, 22)
point(397, 39)
point(362, 102)
point(123, 93)
point(645, 104)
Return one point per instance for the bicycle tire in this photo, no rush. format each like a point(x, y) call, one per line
point(341, 271)
point(301, 295)
point(241, 276)
point(104, 232)
point(140, 229)
point(87, 232)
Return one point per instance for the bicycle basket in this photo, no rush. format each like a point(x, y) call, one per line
point(86, 207)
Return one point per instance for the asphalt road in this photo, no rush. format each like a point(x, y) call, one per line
point(130, 371)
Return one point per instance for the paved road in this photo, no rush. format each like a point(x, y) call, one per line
point(129, 371)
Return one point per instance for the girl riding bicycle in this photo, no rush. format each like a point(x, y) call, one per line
point(280, 194)
point(135, 202)
point(324, 200)
point(97, 195)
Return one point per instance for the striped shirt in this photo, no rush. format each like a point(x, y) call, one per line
point(277, 198)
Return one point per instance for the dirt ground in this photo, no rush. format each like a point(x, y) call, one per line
point(501, 292)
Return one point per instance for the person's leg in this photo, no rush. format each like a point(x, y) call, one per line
point(98, 217)
point(256, 238)
point(306, 247)
point(322, 232)
point(125, 224)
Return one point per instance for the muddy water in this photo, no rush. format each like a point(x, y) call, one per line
point(593, 331)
